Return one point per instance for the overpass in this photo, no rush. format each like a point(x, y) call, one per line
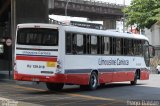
point(101, 11)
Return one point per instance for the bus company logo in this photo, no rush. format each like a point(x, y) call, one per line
point(36, 53)
point(111, 61)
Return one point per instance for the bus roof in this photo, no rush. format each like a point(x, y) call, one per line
point(37, 25)
point(84, 30)
point(104, 32)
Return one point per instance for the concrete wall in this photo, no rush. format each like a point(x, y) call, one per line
point(109, 23)
point(32, 11)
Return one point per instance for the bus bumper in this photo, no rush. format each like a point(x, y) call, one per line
point(56, 78)
point(78, 79)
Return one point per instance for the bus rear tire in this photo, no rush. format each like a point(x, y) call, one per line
point(55, 86)
point(134, 82)
point(93, 82)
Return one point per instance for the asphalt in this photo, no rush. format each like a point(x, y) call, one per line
point(4, 77)
point(27, 93)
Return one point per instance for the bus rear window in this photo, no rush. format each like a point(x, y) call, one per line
point(37, 36)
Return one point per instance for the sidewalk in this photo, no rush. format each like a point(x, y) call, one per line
point(4, 77)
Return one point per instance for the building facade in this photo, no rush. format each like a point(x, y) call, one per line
point(154, 37)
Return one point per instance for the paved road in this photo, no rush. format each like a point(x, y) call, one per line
point(115, 94)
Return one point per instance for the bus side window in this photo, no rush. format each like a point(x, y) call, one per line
point(130, 47)
point(71, 42)
point(94, 48)
point(126, 46)
point(99, 45)
point(118, 46)
point(111, 45)
point(88, 44)
point(122, 46)
point(68, 43)
point(140, 48)
point(74, 43)
point(85, 44)
point(79, 44)
point(114, 45)
point(106, 45)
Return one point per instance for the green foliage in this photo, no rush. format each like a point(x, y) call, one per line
point(144, 13)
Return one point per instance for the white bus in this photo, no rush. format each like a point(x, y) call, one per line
point(58, 55)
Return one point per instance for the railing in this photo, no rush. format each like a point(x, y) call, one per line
point(92, 2)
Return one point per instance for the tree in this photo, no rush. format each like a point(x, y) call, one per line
point(143, 13)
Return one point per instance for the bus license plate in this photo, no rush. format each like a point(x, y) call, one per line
point(51, 64)
point(35, 79)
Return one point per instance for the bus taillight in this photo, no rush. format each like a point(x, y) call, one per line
point(59, 67)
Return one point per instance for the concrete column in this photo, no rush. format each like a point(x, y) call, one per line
point(27, 11)
point(109, 23)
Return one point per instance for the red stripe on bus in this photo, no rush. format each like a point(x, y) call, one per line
point(36, 58)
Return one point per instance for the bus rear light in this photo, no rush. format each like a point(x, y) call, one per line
point(15, 66)
point(59, 64)
point(59, 67)
point(15, 72)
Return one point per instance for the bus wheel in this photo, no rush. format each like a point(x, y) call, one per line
point(55, 86)
point(93, 82)
point(134, 82)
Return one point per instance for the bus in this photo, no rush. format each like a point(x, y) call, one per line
point(59, 55)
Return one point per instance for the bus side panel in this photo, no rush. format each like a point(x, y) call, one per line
point(144, 75)
point(105, 77)
point(130, 75)
point(79, 79)
point(123, 76)
point(118, 77)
